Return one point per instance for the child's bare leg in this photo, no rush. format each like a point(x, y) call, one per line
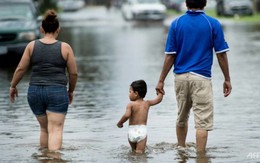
point(133, 145)
point(140, 147)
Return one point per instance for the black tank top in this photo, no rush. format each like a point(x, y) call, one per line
point(48, 65)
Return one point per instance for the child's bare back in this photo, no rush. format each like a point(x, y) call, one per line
point(139, 111)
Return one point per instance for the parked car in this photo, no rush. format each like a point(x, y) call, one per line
point(143, 10)
point(234, 7)
point(18, 25)
point(173, 4)
point(70, 5)
point(211, 5)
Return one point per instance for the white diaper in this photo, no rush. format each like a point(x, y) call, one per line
point(137, 133)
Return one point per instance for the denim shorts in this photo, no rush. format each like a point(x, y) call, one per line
point(48, 98)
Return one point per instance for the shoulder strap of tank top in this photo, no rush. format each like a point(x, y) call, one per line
point(36, 44)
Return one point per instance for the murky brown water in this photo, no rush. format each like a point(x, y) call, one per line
point(110, 56)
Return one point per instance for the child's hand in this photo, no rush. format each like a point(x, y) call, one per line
point(119, 125)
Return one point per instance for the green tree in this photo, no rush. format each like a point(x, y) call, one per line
point(47, 4)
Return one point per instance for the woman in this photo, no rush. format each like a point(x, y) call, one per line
point(48, 96)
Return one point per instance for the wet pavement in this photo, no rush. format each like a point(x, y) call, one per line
point(110, 54)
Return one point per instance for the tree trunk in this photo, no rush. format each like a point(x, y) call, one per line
point(257, 5)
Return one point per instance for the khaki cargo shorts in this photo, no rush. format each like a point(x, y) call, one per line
point(193, 91)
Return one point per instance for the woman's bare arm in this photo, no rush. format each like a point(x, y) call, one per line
point(71, 68)
point(20, 71)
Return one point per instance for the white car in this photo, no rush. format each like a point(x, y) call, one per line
point(143, 10)
point(70, 5)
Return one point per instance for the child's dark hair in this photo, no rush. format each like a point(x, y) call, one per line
point(198, 4)
point(140, 87)
point(50, 22)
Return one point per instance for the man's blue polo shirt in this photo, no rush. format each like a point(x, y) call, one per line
point(192, 38)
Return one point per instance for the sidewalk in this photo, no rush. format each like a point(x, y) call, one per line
point(91, 13)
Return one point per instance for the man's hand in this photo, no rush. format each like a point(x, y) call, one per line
point(159, 88)
point(227, 88)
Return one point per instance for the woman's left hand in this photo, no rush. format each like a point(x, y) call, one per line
point(13, 92)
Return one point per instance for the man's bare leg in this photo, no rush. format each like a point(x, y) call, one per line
point(182, 134)
point(201, 140)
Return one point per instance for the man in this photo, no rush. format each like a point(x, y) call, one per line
point(189, 47)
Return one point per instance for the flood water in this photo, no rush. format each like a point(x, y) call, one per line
point(110, 54)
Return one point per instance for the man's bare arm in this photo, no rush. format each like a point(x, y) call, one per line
point(167, 65)
point(223, 63)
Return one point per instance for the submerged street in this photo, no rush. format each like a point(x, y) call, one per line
point(110, 54)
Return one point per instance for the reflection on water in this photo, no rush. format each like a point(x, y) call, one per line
point(46, 156)
point(109, 58)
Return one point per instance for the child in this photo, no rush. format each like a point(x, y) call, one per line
point(137, 113)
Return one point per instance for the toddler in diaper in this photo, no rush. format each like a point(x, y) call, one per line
point(137, 133)
point(137, 114)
